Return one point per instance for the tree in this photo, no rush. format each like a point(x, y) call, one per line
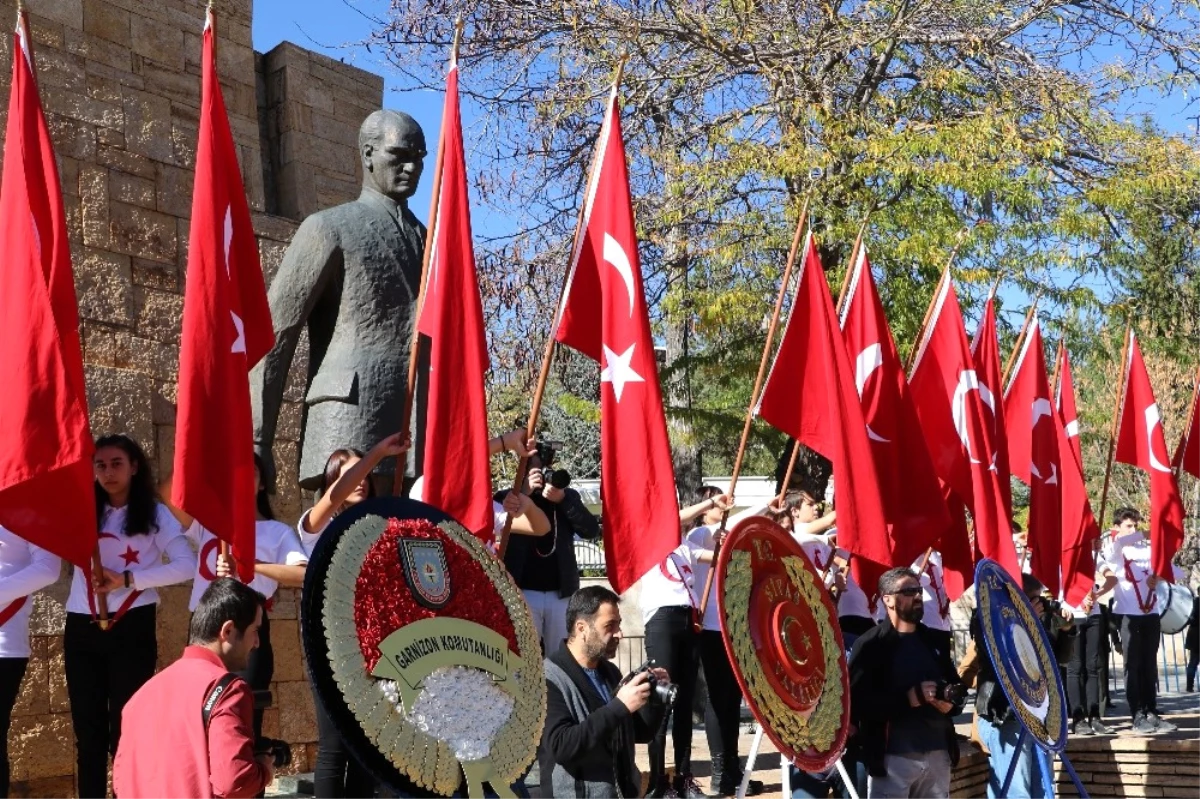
point(932, 117)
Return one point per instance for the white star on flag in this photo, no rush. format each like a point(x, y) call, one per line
point(618, 371)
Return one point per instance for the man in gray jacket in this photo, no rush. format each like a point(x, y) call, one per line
point(592, 721)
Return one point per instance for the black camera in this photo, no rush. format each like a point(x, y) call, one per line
point(279, 752)
point(661, 693)
point(952, 692)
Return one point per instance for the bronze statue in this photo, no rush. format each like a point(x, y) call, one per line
point(351, 275)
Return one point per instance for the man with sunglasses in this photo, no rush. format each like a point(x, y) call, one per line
point(904, 693)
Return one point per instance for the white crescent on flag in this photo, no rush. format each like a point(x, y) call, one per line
point(614, 255)
point(968, 381)
point(1153, 419)
point(867, 362)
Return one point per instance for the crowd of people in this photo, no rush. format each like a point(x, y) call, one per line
point(905, 686)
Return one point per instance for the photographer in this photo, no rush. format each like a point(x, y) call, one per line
point(904, 691)
point(999, 727)
point(188, 731)
point(593, 718)
point(544, 567)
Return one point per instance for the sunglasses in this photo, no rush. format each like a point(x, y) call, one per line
point(911, 591)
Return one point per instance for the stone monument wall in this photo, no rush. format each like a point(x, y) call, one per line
point(120, 82)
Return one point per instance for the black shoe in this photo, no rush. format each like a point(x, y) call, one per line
point(686, 787)
point(661, 790)
point(1160, 724)
point(754, 788)
point(1143, 725)
point(1098, 727)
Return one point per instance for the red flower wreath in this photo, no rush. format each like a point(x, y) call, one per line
point(383, 604)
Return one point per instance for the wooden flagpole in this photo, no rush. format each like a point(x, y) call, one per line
point(535, 408)
point(1112, 433)
point(797, 239)
point(841, 301)
point(430, 233)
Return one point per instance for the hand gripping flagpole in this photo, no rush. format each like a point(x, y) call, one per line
point(430, 237)
point(1112, 432)
point(535, 408)
point(801, 226)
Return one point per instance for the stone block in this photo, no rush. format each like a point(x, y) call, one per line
point(290, 420)
point(41, 747)
point(289, 659)
point(60, 701)
point(113, 75)
point(159, 314)
point(51, 786)
point(297, 721)
point(68, 173)
point(117, 158)
point(155, 275)
point(131, 189)
point(49, 614)
point(72, 138)
point(67, 12)
point(339, 131)
point(111, 138)
point(97, 51)
point(163, 410)
point(104, 345)
point(61, 69)
point(183, 140)
point(164, 435)
point(106, 87)
point(174, 190)
point(159, 41)
point(119, 402)
point(287, 606)
point(275, 228)
point(46, 33)
point(103, 282)
point(34, 696)
point(93, 199)
point(81, 107)
point(148, 125)
point(159, 360)
point(179, 87)
point(287, 500)
point(173, 619)
point(270, 727)
point(142, 232)
point(101, 18)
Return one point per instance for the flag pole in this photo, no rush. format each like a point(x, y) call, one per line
point(912, 356)
point(97, 563)
point(1012, 358)
point(801, 225)
point(535, 407)
point(430, 233)
point(1112, 433)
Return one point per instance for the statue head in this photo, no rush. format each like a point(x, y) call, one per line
point(392, 146)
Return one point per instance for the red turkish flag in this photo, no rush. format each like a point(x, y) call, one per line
point(457, 474)
point(1033, 447)
point(1141, 443)
point(226, 330)
point(1065, 402)
point(604, 316)
point(957, 410)
point(46, 493)
point(810, 394)
point(913, 506)
point(1079, 528)
point(1187, 456)
point(985, 349)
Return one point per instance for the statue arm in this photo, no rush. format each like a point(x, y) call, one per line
point(309, 263)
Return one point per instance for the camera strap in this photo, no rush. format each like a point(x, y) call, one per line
point(215, 695)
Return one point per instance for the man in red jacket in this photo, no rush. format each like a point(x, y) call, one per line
point(170, 746)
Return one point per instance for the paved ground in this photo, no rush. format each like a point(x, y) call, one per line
point(1182, 709)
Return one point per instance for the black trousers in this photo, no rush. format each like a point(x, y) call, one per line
point(12, 671)
point(1084, 668)
point(103, 669)
point(722, 716)
point(336, 773)
point(1140, 637)
point(671, 642)
point(260, 669)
